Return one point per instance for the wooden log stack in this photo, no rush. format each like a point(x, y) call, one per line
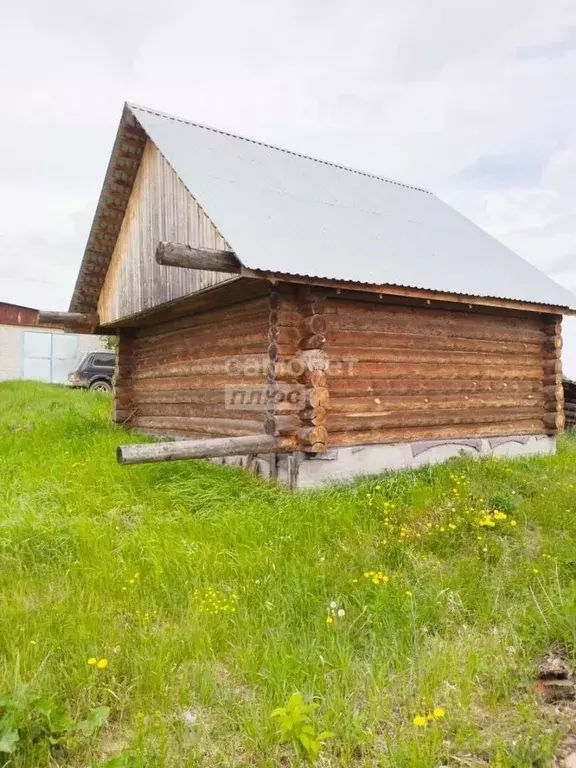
point(299, 398)
point(554, 419)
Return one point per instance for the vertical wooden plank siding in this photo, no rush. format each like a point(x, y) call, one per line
point(399, 373)
point(202, 375)
point(160, 208)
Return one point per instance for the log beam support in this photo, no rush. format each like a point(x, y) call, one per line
point(187, 257)
point(79, 322)
point(200, 449)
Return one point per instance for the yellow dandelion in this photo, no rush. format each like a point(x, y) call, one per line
point(408, 593)
point(92, 661)
point(438, 713)
point(102, 664)
point(513, 523)
point(329, 620)
point(420, 721)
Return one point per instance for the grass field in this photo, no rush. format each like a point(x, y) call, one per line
point(157, 615)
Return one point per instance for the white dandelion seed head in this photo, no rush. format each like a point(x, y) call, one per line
point(189, 716)
point(333, 604)
point(341, 613)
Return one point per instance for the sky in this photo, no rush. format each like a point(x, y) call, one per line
point(473, 100)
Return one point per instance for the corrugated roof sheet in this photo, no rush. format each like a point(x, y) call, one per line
point(286, 213)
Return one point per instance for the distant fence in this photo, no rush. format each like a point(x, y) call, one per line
point(570, 403)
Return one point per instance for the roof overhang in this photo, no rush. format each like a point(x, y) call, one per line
point(118, 182)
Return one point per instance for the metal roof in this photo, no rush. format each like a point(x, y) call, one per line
point(286, 213)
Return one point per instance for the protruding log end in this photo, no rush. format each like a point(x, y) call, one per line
point(77, 321)
point(311, 435)
point(186, 257)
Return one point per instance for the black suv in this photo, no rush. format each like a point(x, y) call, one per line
point(94, 371)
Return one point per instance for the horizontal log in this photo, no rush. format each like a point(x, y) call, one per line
point(424, 341)
point(298, 366)
point(314, 306)
point(552, 344)
point(356, 386)
point(410, 434)
point(553, 392)
point(73, 320)
point(205, 426)
point(192, 354)
point(207, 411)
point(282, 425)
point(314, 416)
point(187, 257)
point(553, 328)
point(195, 449)
point(555, 421)
point(448, 325)
point(383, 355)
point(197, 397)
point(313, 325)
point(255, 331)
point(207, 381)
point(289, 337)
point(349, 422)
point(552, 366)
point(366, 406)
point(312, 342)
point(277, 351)
point(311, 435)
point(240, 365)
point(285, 318)
point(204, 333)
point(222, 315)
point(434, 371)
point(450, 318)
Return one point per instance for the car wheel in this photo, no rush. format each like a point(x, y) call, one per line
point(100, 386)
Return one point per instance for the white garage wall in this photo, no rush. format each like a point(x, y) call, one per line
point(43, 354)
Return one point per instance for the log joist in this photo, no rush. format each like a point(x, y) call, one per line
point(187, 257)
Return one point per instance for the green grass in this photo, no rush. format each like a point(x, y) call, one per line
point(102, 561)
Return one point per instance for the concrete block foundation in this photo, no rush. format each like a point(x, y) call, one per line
point(337, 465)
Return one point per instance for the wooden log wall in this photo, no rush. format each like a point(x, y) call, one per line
point(299, 397)
point(202, 375)
point(554, 418)
point(569, 388)
point(401, 373)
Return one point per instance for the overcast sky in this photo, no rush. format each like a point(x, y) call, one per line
point(473, 100)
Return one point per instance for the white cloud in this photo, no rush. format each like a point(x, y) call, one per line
point(419, 91)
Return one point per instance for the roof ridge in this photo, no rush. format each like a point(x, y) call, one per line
point(177, 119)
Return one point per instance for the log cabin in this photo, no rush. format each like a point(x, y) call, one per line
point(305, 319)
